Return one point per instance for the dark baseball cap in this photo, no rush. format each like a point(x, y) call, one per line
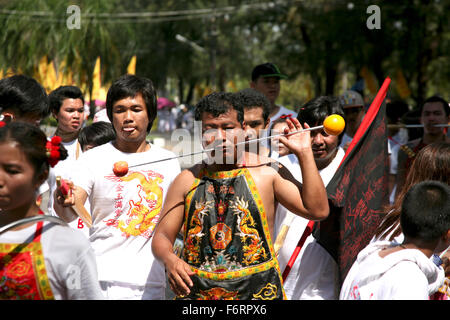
point(266, 70)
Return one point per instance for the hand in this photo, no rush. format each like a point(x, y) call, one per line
point(297, 142)
point(65, 199)
point(179, 274)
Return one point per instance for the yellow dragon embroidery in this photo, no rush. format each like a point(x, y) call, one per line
point(194, 234)
point(141, 215)
point(254, 250)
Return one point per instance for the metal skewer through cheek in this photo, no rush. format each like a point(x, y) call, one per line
point(239, 143)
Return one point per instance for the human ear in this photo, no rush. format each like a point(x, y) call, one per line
point(7, 117)
point(41, 178)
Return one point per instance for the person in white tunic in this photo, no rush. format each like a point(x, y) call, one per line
point(38, 260)
point(390, 271)
point(266, 79)
point(314, 274)
point(125, 208)
point(67, 107)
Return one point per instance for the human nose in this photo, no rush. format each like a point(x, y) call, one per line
point(77, 114)
point(317, 139)
point(128, 116)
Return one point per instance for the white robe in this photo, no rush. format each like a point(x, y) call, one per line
point(314, 275)
point(402, 275)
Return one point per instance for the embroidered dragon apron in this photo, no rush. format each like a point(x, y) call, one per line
point(22, 270)
point(227, 240)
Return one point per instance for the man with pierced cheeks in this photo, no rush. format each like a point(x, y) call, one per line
point(227, 209)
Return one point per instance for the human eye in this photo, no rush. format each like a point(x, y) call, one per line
point(137, 108)
point(118, 109)
point(13, 169)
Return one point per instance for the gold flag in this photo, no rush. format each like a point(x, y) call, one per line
point(131, 69)
point(402, 85)
point(369, 79)
point(49, 82)
point(96, 81)
point(42, 69)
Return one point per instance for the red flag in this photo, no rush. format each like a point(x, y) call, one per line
point(359, 189)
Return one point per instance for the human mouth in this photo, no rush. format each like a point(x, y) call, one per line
point(319, 151)
point(128, 129)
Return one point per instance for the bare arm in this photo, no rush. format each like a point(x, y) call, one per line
point(170, 223)
point(309, 200)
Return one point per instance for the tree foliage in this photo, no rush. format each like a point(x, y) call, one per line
point(323, 46)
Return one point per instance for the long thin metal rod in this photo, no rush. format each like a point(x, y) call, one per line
point(31, 220)
point(394, 126)
point(239, 143)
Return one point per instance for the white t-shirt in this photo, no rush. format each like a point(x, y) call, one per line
point(125, 211)
point(314, 275)
point(282, 111)
point(69, 260)
point(65, 170)
point(402, 275)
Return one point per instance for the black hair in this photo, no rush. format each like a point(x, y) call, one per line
point(316, 110)
point(437, 99)
point(130, 85)
point(57, 96)
point(425, 213)
point(32, 140)
point(23, 95)
point(218, 103)
point(396, 109)
point(96, 134)
point(250, 98)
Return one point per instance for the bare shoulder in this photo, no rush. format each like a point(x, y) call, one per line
point(269, 167)
point(186, 178)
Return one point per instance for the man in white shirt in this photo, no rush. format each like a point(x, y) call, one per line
point(125, 209)
point(67, 107)
point(314, 274)
point(266, 79)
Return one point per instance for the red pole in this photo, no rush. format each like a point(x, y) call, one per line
point(299, 246)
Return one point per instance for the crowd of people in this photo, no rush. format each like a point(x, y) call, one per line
point(209, 230)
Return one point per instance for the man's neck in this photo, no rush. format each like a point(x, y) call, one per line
point(131, 147)
point(323, 163)
point(427, 248)
point(274, 111)
point(430, 138)
point(237, 164)
point(66, 136)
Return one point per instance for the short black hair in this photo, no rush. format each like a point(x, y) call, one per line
point(57, 96)
point(396, 109)
point(130, 85)
point(437, 99)
point(316, 110)
point(250, 98)
point(96, 134)
point(218, 103)
point(425, 212)
point(23, 95)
